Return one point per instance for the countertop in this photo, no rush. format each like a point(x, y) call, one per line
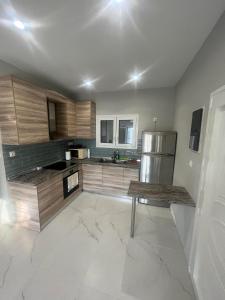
point(35, 178)
point(95, 161)
point(159, 194)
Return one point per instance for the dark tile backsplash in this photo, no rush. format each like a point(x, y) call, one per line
point(100, 152)
point(31, 156)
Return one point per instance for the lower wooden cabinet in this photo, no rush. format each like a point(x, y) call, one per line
point(108, 179)
point(36, 205)
point(92, 178)
point(50, 198)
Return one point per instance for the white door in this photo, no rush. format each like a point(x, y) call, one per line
point(208, 252)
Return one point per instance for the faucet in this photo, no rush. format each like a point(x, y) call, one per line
point(116, 155)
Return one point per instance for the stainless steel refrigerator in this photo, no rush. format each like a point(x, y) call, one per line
point(158, 157)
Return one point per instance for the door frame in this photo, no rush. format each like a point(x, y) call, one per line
point(213, 106)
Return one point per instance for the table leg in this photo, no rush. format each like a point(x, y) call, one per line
point(133, 212)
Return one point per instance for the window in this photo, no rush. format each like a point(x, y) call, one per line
point(117, 131)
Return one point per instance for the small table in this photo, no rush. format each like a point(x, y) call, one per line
point(157, 195)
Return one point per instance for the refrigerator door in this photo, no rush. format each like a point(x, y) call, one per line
point(163, 142)
point(157, 169)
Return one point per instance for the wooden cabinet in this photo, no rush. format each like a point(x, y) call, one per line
point(92, 178)
point(85, 119)
point(112, 179)
point(23, 112)
point(50, 199)
point(65, 110)
point(66, 119)
point(36, 205)
point(109, 180)
point(130, 175)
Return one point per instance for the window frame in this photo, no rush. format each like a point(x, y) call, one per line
point(117, 118)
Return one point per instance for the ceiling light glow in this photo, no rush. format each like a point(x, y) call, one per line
point(135, 77)
point(18, 24)
point(88, 83)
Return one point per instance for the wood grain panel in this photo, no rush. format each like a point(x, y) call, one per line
point(24, 198)
point(55, 96)
point(112, 179)
point(31, 113)
point(130, 175)
point(92, 178)
point(108, 179)
point(8, 123)
point(85, 119)
point(51, 192)
point(66, 119)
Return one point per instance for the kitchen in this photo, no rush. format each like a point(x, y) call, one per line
point(100, 175)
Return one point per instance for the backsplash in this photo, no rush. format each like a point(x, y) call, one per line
point(31, 156)
point(102, 152)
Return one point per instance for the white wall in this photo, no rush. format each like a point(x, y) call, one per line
point(205, 74)
point(147, 103)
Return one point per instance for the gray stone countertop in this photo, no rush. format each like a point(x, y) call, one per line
point(159, 194)
point(133, 164)
point(35, 178)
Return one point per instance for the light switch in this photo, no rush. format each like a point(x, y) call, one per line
point(190, 163)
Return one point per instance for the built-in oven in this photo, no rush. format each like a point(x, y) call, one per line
point(70, 181)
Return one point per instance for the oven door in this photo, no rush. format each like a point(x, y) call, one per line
point(70, 184)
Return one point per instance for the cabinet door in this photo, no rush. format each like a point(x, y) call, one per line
point(92, 178)
point(31, 113)
point(65, 119)
point(85, 119)
point(7, 112)
point(50, 198)
point(112, 179)
point(71, 118)
point(130, 175)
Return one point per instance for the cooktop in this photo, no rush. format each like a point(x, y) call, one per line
point(61, 165)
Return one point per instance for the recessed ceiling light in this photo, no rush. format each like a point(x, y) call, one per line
point(135, 77)
point(89, 84)
point(18, 24)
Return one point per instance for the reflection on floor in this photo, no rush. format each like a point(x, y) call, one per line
point(86, 253)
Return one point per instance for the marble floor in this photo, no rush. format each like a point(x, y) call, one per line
point(85, 253)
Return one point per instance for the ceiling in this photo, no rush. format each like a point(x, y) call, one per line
point(69, 41)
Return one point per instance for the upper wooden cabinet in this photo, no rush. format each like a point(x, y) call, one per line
point(23, 112)
point(65, 115)
point(86, 119)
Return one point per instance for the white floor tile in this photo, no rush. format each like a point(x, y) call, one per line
point(86, 253)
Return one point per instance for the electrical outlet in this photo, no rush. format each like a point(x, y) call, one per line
point(12, 154)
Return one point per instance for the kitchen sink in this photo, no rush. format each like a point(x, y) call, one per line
point(111, 160)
